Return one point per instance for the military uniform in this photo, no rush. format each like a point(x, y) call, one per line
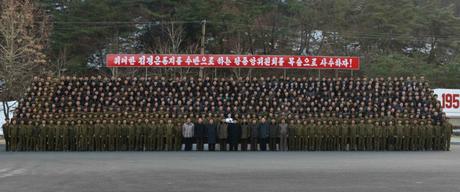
point(124, 132)
point(169, 134)
point(14, 135)
point(25, 134)
point(414, 129)
point(178, 136)
point(370, 127)
point(310, 134)
point(343, 135)
point(362, 135)
point(112, 135)
point(92, 136)
point(305, 135)
point(41, 135)
point(35, 137)
point(152, 137)
point(132, 130)
point(6, 135)
point(378, 136)
point(399, 136)
point(353, 136)
point(421, 136)
point(447, 134)
point(407, 136)
point(429, 136)
point(300, 140)
point(65, 134)
point(101, 136)
point(318, 135)
point(160, 136)
point(292, 136)
point(385, 136)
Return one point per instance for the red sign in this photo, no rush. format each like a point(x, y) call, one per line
point(230, 61)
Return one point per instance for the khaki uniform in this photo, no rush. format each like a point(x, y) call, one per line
point(178, 137)
point(112, 136)
point(437, 131)
point(169, 135)
point(292, 140)
point(378, 137)
point(448, 128)
point(245, 134)
point(160, 136)
point(362, 135)
point(318, 136)
point(400, 134)
point(385, 137)
point(300, 134)
point(80, 137)
point(421, 137)
point(353, 137)
point(14, 137)
point(132, 130)
point(139, 137)
point(370, 128)
point(429, 136)
point(343, 136)
point(100, 132)
point(52, 138)
point(124, 140)
point(72, 138)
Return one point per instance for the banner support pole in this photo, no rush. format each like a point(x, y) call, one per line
point(203, 36)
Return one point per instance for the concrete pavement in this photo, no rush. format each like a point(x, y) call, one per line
point(230, 171)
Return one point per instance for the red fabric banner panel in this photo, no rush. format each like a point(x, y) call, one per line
point(232, 61)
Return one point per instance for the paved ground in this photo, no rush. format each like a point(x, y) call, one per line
point(230, 171)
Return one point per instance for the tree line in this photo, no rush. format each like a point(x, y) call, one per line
point(71, 37)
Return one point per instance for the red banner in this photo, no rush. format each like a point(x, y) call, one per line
point(230, 61)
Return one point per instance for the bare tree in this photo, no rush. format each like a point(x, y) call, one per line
point(170, 42)
point(61, 60)
point(175, 34)
point(24, 31)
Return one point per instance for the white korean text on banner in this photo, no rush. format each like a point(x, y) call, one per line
point(232, 61)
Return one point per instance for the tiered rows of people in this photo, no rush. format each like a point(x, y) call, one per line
point(154, 99)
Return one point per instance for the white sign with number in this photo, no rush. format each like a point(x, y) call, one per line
point(450, 101)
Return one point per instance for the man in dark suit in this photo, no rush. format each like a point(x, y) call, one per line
point(211, 129)
point(264, 133)
point(199, 134)
point(234, 134)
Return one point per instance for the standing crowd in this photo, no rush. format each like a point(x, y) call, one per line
point(272, 113)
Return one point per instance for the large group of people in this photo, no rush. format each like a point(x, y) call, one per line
point(271, 113)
